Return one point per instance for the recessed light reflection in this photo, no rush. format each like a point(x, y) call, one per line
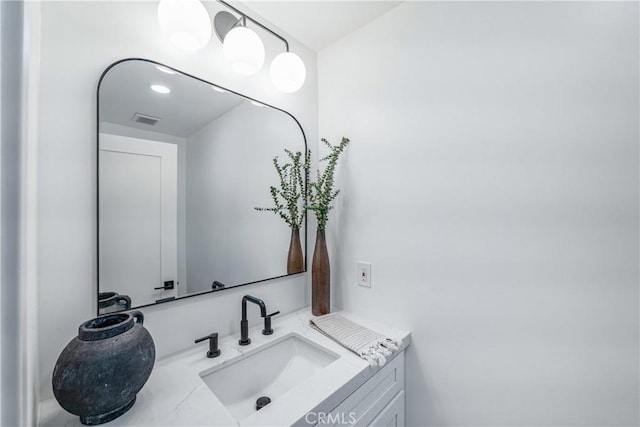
point(217, 89)
point(160, 89)
point(165, 69)
point(257, 104)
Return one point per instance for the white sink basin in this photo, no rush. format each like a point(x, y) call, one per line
point(271, 370)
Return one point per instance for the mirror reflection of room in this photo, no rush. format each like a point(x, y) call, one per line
point(182, 164)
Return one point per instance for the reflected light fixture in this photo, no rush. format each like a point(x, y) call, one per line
point(160, 89)
point(185, 22)
point(165, 69)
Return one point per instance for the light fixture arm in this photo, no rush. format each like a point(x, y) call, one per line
point(244, 19)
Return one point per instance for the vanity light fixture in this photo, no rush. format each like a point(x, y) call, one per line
point(160, 89)
point(288, 72)
point(185, 22)
point(244, 50)
point(188, 25)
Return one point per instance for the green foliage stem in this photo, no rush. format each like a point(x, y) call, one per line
point(289, 199)
point(320, 193)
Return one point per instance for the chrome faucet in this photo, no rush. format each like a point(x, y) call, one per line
point(244, 323)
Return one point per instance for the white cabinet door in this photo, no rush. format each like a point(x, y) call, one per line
point(362, 406)
point(137, 217)
point(392, 415)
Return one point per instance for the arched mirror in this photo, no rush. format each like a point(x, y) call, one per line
point(182, 164)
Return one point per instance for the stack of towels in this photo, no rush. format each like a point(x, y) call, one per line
point(369, 345)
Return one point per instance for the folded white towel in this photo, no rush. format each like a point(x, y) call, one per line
point(369, 345)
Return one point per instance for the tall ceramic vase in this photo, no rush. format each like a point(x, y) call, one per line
point(320, 277)
point(295, 261)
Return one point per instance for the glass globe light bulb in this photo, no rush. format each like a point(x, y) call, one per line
point(288, 72)
point(243, 50)
point(185, 22)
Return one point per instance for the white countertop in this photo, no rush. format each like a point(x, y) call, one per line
point(175, 394)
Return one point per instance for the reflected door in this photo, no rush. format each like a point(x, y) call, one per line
point(137, 218)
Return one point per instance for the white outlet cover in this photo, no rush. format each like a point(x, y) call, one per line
point(364, 274)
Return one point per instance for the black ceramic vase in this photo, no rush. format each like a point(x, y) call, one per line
point(99, 373)
point(109, 302)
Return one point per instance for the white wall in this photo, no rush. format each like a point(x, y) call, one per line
point(79, 40)
point(19, 53)
point(230, 169)
point(492, 181)
point(11, 14)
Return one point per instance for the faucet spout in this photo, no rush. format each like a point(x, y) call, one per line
point(244, 323)
point(258, 301)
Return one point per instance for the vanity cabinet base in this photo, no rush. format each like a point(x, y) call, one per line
point(393, 414)
point(377, 402)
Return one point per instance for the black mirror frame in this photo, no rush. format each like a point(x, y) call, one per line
point(102, 76)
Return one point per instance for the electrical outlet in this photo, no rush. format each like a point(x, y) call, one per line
point(364, 274)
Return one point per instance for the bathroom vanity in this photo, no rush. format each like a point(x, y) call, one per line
point(159, 200)
point(308, 378)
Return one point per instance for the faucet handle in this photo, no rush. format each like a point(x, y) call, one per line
point(214, 351)
point(268, 330)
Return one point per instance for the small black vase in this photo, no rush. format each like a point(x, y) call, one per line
point(100, 372)
point(109, 302)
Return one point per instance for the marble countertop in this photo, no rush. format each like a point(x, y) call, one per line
point(175, 394)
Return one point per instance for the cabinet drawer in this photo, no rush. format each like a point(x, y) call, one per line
point(392, 415)
point(362, 406)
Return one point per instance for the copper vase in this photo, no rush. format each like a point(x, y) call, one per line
point(295, 260)
point(320, 277)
